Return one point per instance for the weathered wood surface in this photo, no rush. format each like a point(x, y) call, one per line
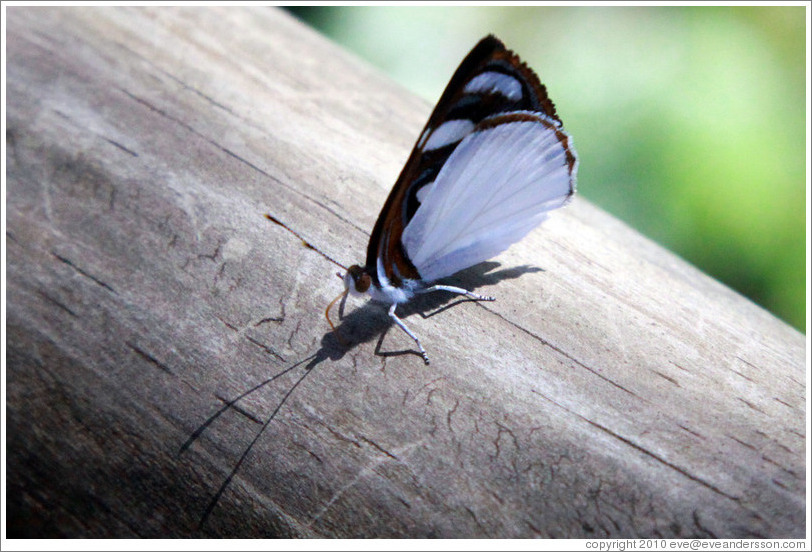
point(611, 390)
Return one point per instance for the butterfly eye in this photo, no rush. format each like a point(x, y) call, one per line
point(362, 284)
point(357, 280)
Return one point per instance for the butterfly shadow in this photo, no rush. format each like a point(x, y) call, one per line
point(361, 325)
point(371, 320)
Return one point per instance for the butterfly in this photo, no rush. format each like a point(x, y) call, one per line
point(491, 162)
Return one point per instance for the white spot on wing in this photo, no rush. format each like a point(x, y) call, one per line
point(448, 133)
point(491, 81)
point(423, 138)
point(421, 193)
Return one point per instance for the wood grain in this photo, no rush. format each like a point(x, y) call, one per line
point(612, 390)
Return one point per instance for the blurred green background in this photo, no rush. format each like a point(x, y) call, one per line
point(690, 122)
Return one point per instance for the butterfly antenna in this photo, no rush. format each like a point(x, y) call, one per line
point(304, 242)
point(327, 316)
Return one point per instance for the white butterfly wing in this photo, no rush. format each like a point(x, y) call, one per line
point(497, 185)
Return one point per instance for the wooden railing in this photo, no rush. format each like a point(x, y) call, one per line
point(612, 390)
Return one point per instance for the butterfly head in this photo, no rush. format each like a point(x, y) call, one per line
point(357, 280)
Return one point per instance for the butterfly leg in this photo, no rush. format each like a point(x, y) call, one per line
point(452, 289)
point(403, 327)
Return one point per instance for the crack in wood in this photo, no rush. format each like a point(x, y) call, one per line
point(148, 357)
point(266, 348)
point(270, 319)
point(741, 375)
point(667, 378)
point(57, 303)
point(561, 351)
point(121, 147)
point(750, 405)
point(663, 461)
point(701, 527)
point(743, 443)
point(83, 272)
point(242, 160)
point(237, 408)
point(476, 521)
point(645, 451)
point(379, 448)
point(779, 466)
point(784, 403)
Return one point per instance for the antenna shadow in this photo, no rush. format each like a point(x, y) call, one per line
point(363, 324)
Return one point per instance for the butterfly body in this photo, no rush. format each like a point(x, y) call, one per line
point(359, 282)
point(491, 162)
